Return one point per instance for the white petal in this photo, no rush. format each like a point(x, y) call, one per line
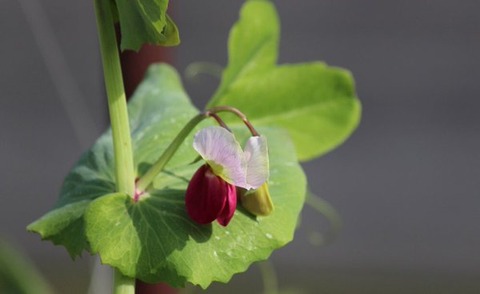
point(256, 155)
point(221, 151)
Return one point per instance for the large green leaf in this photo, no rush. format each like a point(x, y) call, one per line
point(155, 120)
point(145, 21)
point(154, 239)
point(315, 103)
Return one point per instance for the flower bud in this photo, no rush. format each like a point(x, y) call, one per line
point(209, 197)
point(257, 202)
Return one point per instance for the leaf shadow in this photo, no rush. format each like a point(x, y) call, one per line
point(245, 212)
point(164, 229)
point(76, 188)
point(143, 167)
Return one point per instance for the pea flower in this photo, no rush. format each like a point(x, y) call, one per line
point(212, 194)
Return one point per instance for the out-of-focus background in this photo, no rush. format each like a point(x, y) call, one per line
point(406, 183)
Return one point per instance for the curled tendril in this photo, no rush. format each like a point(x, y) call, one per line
point(324, 208)
point(193, 70)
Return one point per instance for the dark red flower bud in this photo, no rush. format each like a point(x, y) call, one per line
point(209, 197)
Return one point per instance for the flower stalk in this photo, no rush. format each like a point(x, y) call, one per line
point(144, 182)
point(238, 113)
point(158, 166)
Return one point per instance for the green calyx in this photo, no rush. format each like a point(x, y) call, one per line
point(258, 202)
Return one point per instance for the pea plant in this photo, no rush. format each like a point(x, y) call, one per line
point(179, 195)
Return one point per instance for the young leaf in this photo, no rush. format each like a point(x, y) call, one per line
point(154, 239)
point(315, 103)
point(145, 21)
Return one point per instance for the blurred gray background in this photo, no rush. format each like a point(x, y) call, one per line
point(406, 183)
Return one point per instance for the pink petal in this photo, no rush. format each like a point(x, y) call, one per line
point(222, 152)
point(256, 155)
point(206, 196)
point(230, 206)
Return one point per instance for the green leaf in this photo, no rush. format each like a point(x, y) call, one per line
point(64, 226)
point(154, 122)
point(145, 21)
point(315, 103)
point(154, 239)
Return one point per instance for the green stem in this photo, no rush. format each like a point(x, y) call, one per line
point(19, 273)
point(269, 277)
point(117, 103)
point(123, 284)
point(157, 167)
point(117, 106)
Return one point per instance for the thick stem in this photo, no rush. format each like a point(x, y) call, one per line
point(117, 103)
point(117, 106)
point(123, 284)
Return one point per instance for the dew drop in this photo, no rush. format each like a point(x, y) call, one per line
point(215, 253)
point(269, 236)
